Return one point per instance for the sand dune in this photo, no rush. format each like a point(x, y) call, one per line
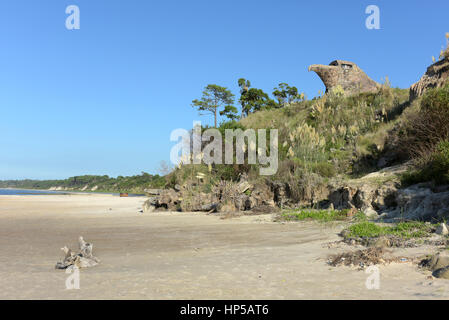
point(181, 255)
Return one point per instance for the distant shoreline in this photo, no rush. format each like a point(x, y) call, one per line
point(65, 192)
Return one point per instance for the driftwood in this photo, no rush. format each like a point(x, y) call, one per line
point(83, 259)
point(362, 258)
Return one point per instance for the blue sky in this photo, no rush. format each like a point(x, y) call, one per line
point(104, 99)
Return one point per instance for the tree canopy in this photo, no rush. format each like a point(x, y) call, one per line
point(286, 94)
point(253, 99)
point(215, 98)
point(244, 86)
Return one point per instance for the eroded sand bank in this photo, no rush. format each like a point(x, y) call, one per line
point(181, 255)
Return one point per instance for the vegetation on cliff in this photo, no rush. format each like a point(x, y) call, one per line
point(425, 137)
point(319, 139)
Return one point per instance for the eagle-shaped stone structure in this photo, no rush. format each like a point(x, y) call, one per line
point(346, 74)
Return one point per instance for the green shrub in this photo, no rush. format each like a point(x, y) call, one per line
point(229, 172)
point(436, 100)
point(435, 170)
point(365, 229)
point(425, 129)
point(324, 169)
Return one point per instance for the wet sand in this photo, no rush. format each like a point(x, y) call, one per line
point(182, 255)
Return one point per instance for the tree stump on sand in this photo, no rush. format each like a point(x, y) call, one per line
point(82, 259)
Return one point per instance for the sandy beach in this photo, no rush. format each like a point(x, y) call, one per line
point(182, 255)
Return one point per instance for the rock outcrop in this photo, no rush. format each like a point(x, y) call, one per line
point(437, 75)
point(438, 264)
point(345, 74)
point(373, 194)
point(376, 194)
point(225, 197)
point(420, 202)
point(442, 230)
point(365, 197)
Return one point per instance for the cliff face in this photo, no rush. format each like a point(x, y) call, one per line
point(345, 74)
point(436, 76)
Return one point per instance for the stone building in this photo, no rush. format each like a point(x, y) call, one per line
point(346, 74)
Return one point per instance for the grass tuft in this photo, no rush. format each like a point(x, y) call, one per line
point(405, 230)
point(317, 215)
